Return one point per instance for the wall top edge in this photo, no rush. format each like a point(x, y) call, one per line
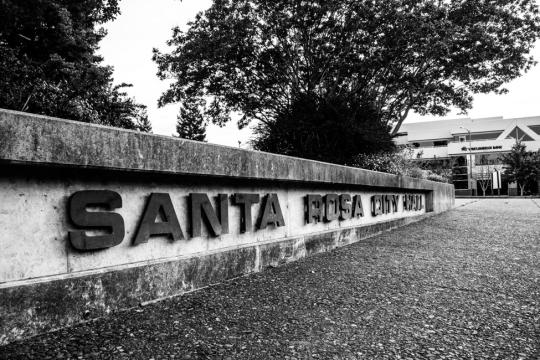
point(32, 140)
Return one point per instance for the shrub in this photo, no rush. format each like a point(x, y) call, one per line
point(398, 163)
point(437, 177)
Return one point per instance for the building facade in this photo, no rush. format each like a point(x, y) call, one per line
point(472, 148)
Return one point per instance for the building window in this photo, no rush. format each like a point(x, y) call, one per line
point(459, 161)
point(535, 128)
point(460, 173)
point(440, 143)
point(519, 134)
point(486, 136)
point(493, 135)
point(487, 159)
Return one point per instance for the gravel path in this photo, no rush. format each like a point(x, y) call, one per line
point(461, 285)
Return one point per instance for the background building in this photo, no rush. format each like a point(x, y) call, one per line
point(470, 147)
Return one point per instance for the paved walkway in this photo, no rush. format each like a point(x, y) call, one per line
point(462, 285)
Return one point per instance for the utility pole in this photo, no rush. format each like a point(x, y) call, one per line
point(469, 180)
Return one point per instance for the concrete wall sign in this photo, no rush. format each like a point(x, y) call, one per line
point(317, 208)
point(96, 219)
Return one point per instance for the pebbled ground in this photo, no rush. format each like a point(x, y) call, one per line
point(461, 285)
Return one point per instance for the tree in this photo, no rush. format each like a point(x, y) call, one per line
point(261, 58)
point(394, 162)
point(49, 66)
point(521, 166)
point(190, 123)
point(325, 131)
point(484, 177)
point(142, 122)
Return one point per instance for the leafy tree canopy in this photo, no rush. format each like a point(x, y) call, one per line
point(48, 63)
point(260, 57)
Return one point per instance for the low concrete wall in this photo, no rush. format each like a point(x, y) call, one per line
point(49, 280)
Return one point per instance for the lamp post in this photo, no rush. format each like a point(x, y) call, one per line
point(469, 177)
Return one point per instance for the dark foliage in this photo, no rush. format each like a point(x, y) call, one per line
point(48, 63)
point(522, 167)
point(190, 124)
point(326, 130)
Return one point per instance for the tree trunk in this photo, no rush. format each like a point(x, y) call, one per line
point(400, 121)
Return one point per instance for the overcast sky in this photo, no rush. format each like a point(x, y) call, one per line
point(144, 24)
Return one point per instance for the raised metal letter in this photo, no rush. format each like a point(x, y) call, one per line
point(313, 208)
point(376, 205)
point(345, 207)
point(331, 207)
point(385, 204)
point(80, 216)
point(357, 209)
point(201, 208)
point(158, 204)
point(245, 200)
point(271, 214)
point(223, 200)
point(407, 202)
point(394, 199)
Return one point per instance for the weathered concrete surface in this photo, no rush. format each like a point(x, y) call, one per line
point(28, 138)
point(35, 308)
point(43, 161)
point(460, 285)
point(34, 210)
